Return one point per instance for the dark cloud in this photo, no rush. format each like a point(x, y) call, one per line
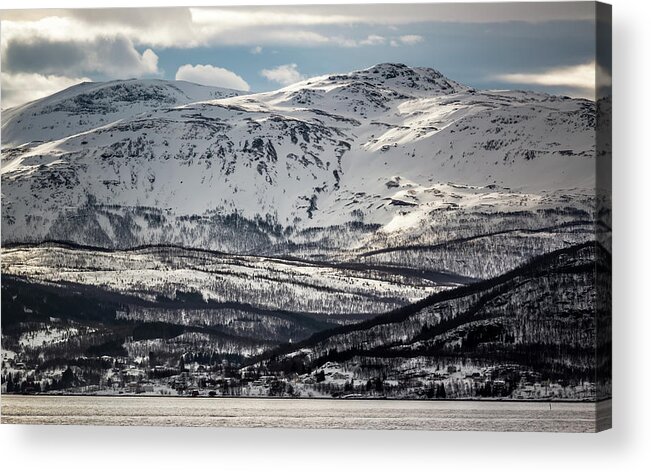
point(106, 56)
point(41, 55)
point(373, 14)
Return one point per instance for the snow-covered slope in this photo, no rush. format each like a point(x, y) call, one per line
point(383, 146)
point(88, 105)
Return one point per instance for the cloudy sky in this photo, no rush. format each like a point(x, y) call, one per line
point(547, 47)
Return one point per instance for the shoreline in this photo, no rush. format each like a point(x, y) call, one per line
point(205, 397)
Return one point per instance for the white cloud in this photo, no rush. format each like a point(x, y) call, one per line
point(211, 75)
point(580, 77)
point(373, 40)
point(15, 93)
point(388, 14)
point(155, 28)
point(343, 41)
point(235, 18)
point(285, 74)
point(411, 39)
point(256, 50)
point(406, 40)
point(262, 25)
point(170, 27)
point(149, 62)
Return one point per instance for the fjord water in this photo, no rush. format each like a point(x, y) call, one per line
point(300, 413)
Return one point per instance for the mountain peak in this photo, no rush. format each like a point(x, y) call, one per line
point(423, 78)
point(403, 79)
point(389, 66)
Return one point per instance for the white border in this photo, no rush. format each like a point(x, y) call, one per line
point(626, 447)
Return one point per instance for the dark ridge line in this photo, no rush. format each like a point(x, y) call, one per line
point(188, 329)
point(85, 247)
point(404, 313)
point(437, 277)
point(440, 277)
point(425, 247)
point(305, 319)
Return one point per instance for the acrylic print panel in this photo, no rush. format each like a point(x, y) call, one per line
point(264, 217)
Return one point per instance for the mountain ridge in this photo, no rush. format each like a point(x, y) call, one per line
point(387, 147)
point(402, 314)
point(504, 322)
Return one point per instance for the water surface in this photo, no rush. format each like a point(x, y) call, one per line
point(300, 413)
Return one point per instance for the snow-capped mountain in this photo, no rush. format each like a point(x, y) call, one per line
point(140, 161)
point(386, 232)
point(90, 105)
